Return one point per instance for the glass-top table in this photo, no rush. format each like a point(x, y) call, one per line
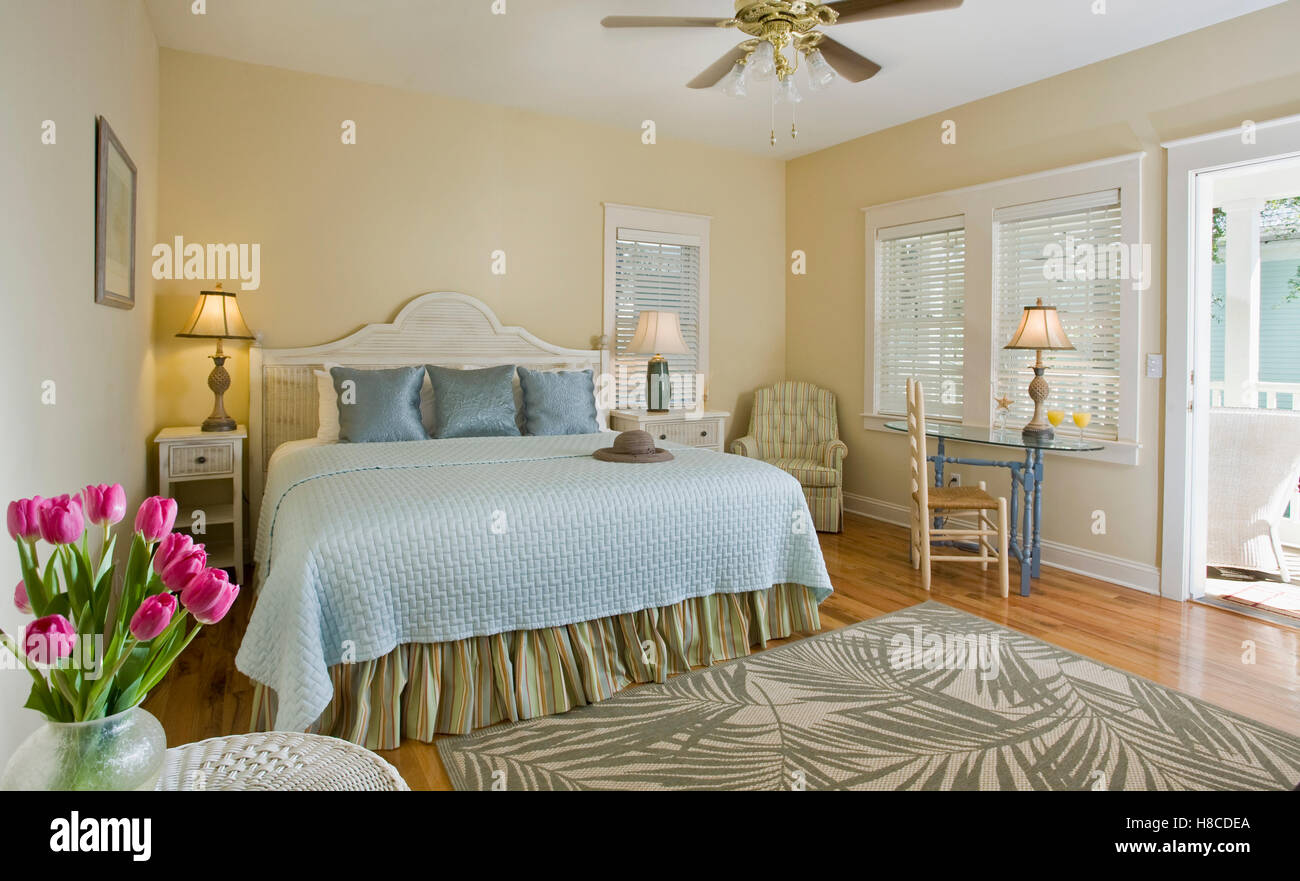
point(1000, 437)
point(1026, 476)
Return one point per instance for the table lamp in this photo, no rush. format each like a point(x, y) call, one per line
point(1040, 328)
point(216, 317)
point(657, 333)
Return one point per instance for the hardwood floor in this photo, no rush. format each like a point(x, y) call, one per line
point(1191, 647)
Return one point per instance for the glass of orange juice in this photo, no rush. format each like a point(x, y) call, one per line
point(1081, 419)
point(1056, 417)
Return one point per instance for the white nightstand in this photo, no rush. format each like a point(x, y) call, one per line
point(188, 455)
point(707, 430)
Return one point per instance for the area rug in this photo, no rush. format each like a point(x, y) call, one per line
point(926, 698)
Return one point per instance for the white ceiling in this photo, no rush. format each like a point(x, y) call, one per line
point(552, 56)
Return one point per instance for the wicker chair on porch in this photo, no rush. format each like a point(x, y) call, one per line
point(795, 427)
point(1254, 466)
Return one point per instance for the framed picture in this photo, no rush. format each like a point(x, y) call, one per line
point(114, 220)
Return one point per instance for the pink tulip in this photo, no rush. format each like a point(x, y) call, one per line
point(24, 518)
point(105, 505)
point(178, 559)
point(20, 599)
point(209, 596)
point(153, 616)
point(48, 639)
point(155, 518)
point(61, 520)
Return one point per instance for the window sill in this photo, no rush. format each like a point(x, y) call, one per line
point(1113, 452)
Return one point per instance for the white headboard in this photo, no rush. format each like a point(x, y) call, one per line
point(440, 328)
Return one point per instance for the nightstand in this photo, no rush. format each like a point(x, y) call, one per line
point(204, 472)
point(707, 430)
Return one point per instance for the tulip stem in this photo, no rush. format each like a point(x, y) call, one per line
point(106, 678)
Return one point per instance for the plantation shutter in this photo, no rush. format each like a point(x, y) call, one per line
point(658, 271)
point(1069, 252)
point(921, 316)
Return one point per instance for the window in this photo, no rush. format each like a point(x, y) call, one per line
point(1070, 253)
point(948, 276)
point(920, 315)
point(656, 260)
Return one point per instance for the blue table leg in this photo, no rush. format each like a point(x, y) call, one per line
point(1016, 481)
point(1029, 478)
point(938, 478)
point(1038, 509)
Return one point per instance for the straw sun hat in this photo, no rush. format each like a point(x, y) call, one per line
point(633, 446)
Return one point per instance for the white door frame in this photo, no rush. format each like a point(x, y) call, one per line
point(1187, 285)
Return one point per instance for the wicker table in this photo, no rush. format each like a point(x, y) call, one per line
point(277, 760)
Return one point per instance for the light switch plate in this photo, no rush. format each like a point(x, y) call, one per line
point(1155, 366)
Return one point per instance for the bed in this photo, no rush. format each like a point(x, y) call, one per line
point(429, 587)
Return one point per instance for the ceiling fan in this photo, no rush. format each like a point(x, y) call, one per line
point(775, 26)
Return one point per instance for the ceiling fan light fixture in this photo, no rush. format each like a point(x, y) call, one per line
point(763, 61)
point(733, 84)
point(820, 73)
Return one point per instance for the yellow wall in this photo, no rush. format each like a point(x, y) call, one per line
point(431, 188)
point(1247, 68)
point(69, 62)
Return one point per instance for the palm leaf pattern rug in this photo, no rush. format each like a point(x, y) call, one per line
point(924, 698)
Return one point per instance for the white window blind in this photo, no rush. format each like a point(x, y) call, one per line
point(659, 271)
point(1066, 251)
point(920, 315)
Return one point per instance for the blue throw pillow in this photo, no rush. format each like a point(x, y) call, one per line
point(379, 405)
point(558, 401)
point(473, 403)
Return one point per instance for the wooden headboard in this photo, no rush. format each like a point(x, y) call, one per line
point(443, 328)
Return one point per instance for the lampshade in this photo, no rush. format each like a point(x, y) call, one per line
point(658, 333)
point(216, 316)
point(1040, 328)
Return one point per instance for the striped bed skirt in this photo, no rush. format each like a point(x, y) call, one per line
point(421, 690)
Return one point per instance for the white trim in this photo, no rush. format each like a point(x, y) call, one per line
point(1024, 178)
point(1234, 132)
point(674, 223)
point(1185, 508)
point(977, 205)
point(1081, 561)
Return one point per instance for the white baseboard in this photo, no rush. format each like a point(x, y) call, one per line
point(1116, 570)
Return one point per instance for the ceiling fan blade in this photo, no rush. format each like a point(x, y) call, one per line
point(656, 21)
point(718, 69)
point(861, 10)
point(847, 63)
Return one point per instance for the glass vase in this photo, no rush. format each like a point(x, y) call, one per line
point(122, 752)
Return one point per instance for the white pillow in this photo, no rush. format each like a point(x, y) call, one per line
point(327, 415)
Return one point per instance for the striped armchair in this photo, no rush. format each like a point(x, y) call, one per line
point(795, 427)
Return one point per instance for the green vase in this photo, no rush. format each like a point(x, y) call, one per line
point(658, 386)
point(121, 752)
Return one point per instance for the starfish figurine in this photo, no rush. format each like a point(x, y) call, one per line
point(1003, 403)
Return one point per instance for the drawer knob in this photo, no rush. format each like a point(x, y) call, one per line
point(200, 459)
point(663, 437)
point(704, 433)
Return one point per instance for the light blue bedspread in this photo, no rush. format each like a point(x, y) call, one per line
point(367, 546)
